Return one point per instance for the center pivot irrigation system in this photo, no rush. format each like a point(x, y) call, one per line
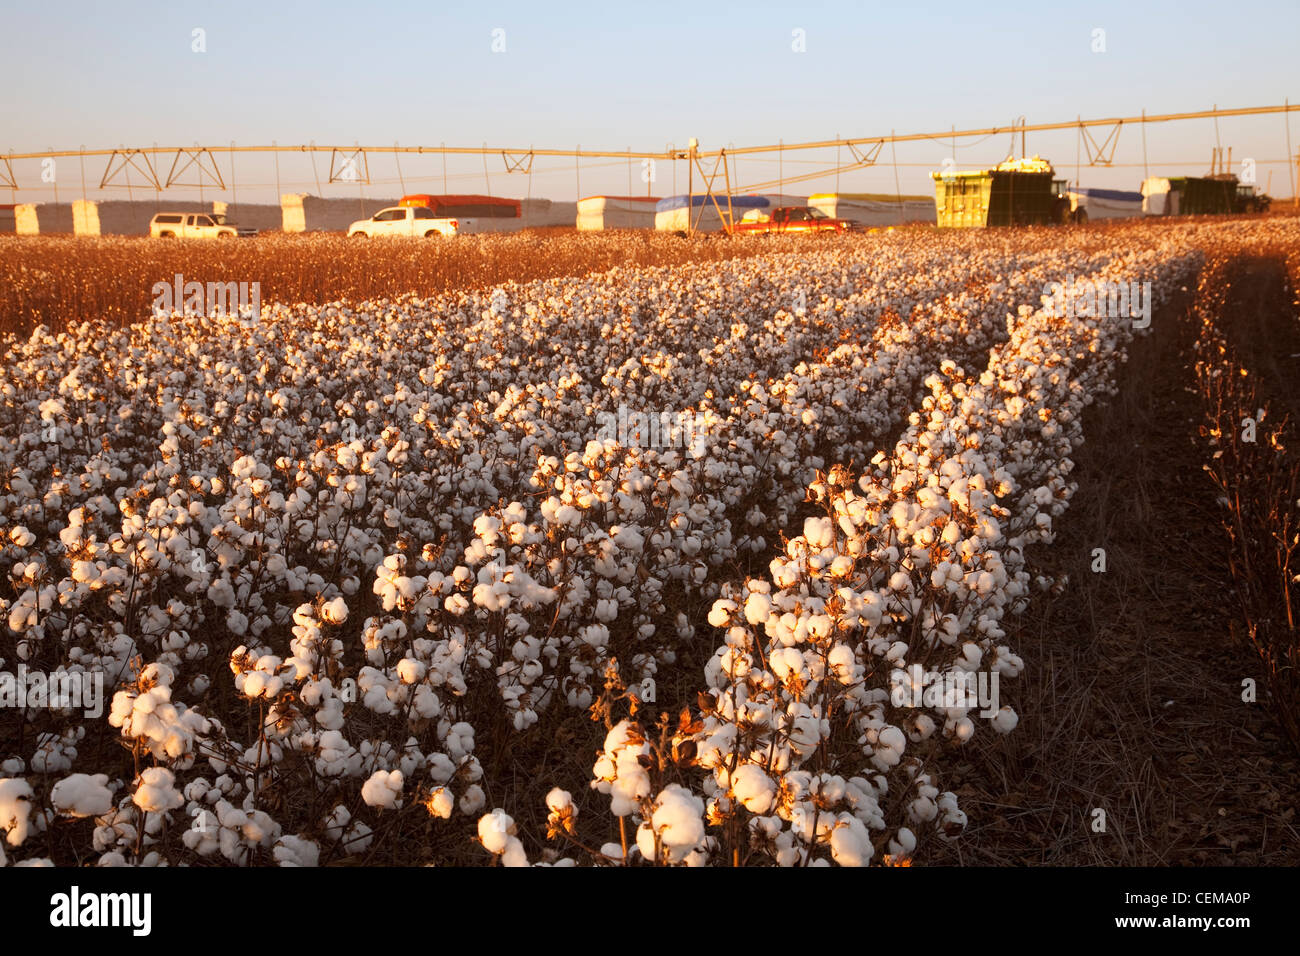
point(196, 166)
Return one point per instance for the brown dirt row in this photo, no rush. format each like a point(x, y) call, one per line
point(1132, 697)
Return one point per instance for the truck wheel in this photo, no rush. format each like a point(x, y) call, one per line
point(358, 235)
point(166, 235)
point(1080, 216)
point(433, 234)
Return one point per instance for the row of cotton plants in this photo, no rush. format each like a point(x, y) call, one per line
point(812, 753)
point(331, 564)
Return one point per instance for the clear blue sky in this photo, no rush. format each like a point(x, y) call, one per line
point(640, 75)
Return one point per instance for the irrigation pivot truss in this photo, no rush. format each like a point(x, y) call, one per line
point(197, 165)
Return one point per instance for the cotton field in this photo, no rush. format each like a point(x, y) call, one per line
point(660, 565)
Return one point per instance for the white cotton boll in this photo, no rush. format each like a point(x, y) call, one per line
point(841, 662)
point(720, 613)
point(291, 850)
point(157, 791)
point(441, 802)
point(557, 800)
point(82, 795)
point(755, 790)
point(1005, 720)
point(472, 800)
point(677, 820)
point(892, 738)
point(335, 611)
point(614, 852)
point(410, 671)
point(237, 622)
point(383, 789)
point(964, 729)
point(904, 844)
point(922, 810)
point(786, 662)
point(513, 855)
point(645, 841)
point(494, 830)
point(851, 842)
point(820, 626)
point(818, 532)
point(254, 683)
point(15, 808)
point(758, 606)
point(596, 635)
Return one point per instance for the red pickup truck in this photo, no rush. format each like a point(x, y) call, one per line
point(790, 219)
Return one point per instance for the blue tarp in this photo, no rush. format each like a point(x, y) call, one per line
point(1118, 195)
point(700, 199)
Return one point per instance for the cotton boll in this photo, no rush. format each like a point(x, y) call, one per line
point(82, 795)
point(851, 842)
point(383, 790)
point(156, 792)
point(964, 729)
point(15, 808)
point(720, 614)
point(677, 821)
point(290, 850)
point(755, 790)
point(335, 611)
point(441, 803)
point(557, 800)
point(1005, 720)
point(494, 830)
point(903, 844)
point(818, 532)
point(472, 800)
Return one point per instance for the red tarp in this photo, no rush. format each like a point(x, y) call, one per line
point(468, 206)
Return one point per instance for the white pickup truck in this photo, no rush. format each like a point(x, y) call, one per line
point(408, 221)
point(196, 225)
